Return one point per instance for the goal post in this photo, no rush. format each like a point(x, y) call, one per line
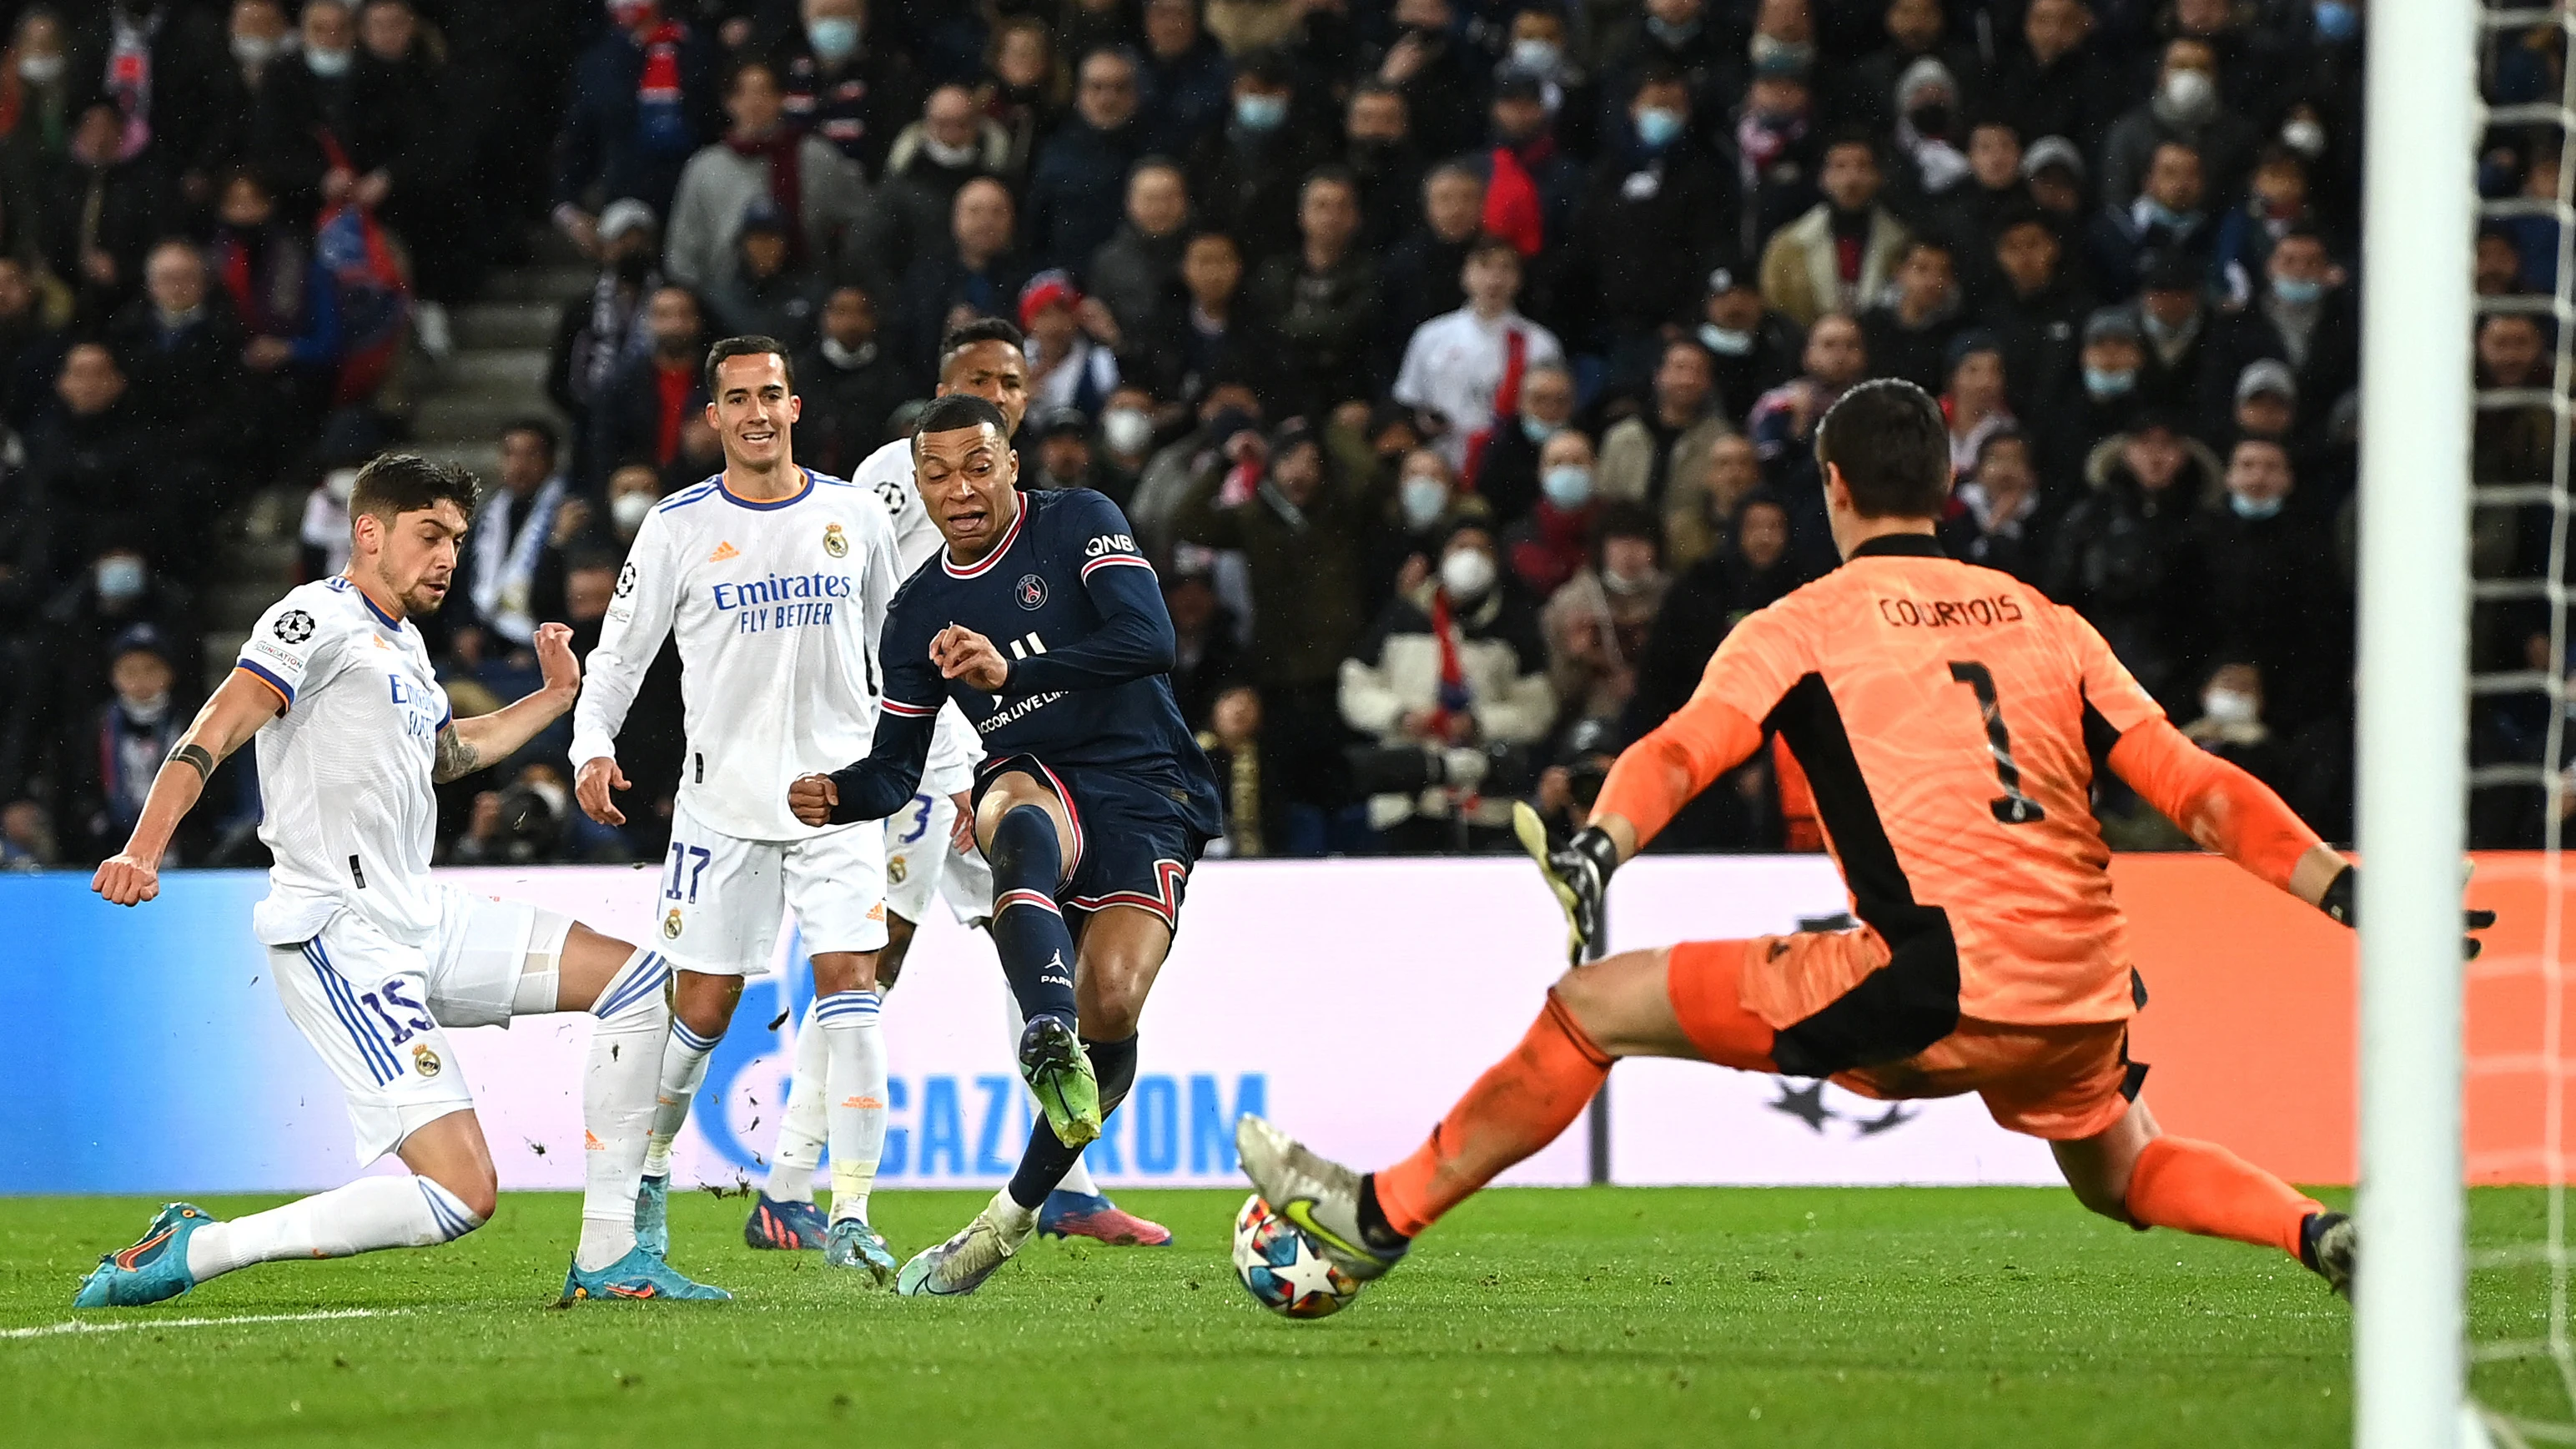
point(2419, 217)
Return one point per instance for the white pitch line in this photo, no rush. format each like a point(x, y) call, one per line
point(87, 1325)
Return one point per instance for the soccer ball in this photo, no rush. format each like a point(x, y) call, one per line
point(1282, 1270)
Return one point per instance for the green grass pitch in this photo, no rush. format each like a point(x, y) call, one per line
point(1826, 1317)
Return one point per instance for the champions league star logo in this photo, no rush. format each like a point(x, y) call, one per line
point(1808, 1105)
point(1031, 591)
point(294, 626)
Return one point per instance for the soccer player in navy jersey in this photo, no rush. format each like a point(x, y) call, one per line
point(1046, 626)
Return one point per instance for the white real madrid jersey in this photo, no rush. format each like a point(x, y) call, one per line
point(344, 773)
point(888, 473)
point(777, 607)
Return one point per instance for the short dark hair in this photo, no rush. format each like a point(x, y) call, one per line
point(748, 346)
point(393, 484)
point(978, 329)
point(949, 412)
point(543, 428)
point(1485, 243)
point(1331, 173)
point(1887, 438)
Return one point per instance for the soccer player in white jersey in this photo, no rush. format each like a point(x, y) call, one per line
point(372, 957)
point(775, 580)
point(930, 847)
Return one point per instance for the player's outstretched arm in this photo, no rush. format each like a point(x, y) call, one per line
point(230, 717)
point(2229, 811)
point(467, 745)
point(878, 786)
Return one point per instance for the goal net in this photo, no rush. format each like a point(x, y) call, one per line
point(2520, 1369)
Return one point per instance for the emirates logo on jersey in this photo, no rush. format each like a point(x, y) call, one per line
point(294, 626)
point(833, 542)
point(1031, 592)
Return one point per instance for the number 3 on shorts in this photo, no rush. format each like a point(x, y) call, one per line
point(921, 808)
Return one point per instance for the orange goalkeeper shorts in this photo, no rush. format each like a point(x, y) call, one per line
point(2060, 1083)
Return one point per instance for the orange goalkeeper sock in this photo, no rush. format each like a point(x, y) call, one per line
point(1517, 1107)
point(2201, 1187)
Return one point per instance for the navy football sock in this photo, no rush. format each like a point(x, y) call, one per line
point(1047, 1159)
point(1027, 927)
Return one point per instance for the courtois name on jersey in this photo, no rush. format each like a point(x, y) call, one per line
point(777, 607)
point(1069, 599)
point(888, 473)
point(347, 811)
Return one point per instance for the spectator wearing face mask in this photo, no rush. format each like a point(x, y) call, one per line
point(1752, 348)
point(851, 385)
point(2304, 316)
point(1873, 91)
point(1843, 252)
point(1126, 440)
point(36, 100)
point(2186, 109)
point(1302, 530)
point(1596, 623)
point(2125, 556)
point(104, 766)
point(1931, 141)
point(2230, 724)
point(1776, 141)
point(842, 84)
point(1550, 546)
point(1245, 175)
point(2178, 328)
point(1657, 213)
point(1998, 521)
point(2273, 594)
point(74, 646)
point(598, 335)
point(2276, 202)
point(632, 492)
point(1507, 471)
point(1426, 504)
point(1455, 667)
point(2107, 395)
point(2165, 219)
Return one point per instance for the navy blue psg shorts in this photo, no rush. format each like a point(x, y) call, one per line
point(1133, 842)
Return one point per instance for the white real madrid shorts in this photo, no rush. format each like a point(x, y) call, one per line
point(723, 898)
point(375, 1008)
point(920, 860)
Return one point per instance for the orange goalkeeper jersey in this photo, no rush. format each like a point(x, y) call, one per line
point(1947, 717)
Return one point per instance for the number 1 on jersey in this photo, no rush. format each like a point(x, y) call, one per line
point(2013, 807)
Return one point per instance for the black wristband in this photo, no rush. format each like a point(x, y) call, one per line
point(2342, 895)
point(196, 757)
point(1594, 844)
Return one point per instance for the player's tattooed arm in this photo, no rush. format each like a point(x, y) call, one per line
point(230, 717)
point(456, 759)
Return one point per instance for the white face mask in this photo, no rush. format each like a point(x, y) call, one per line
point(2229, 706)
point(952, 157)
point(1423, 500)
point(2305, 137)
point(40, 70)
point(329, 64)
point(255, 50)
point(839, 356)
point(1723, 342)
point(146, 712)
point(1467, 574)
point(629, 510)
point(1127, 431)
point(340, 483)
point(1539, 56)
point(2190, 94)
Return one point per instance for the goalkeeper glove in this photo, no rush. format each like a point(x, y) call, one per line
point(2343, 896)
point(1577, 871)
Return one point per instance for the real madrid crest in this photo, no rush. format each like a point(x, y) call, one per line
point(833, 542)
point(424, 1061)
point(671, 925)
point(896, 870)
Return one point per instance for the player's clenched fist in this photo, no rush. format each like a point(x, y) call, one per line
point(126, 881)
point(812, 798)
point(961, 653)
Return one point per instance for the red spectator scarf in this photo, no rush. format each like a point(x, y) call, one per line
point(1555, 549)
point(659, 85)
point(674, 385)
point(1511, 204)
point(1454, 698)
point(786, 180)
point(1507, 403)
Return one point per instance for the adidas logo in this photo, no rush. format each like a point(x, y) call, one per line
point(724, 551)
point(590, 1142)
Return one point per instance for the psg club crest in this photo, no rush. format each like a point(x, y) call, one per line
point(671, 925)
point(1031, 592)
point(424, 1061)
point(833, 543)
point(626, 580)
point(295, 626)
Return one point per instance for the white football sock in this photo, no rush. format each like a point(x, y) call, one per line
point(360, 1217)
point(618, 1105)
point(1077, 1179)
point(800, 1131)
point(684, 1070)
point(857, 1079)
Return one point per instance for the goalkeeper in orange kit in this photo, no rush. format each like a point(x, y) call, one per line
point(1948, 719)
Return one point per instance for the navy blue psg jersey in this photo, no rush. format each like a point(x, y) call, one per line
point(1070, 602)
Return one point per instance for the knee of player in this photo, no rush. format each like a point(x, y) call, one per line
point(704, 1004)
point(839, 971)
point(899, 934)
point(478, 1192)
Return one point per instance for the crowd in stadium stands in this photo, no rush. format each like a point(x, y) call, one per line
point(1456, 360)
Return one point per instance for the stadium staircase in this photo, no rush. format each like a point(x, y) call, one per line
point(496, 373)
